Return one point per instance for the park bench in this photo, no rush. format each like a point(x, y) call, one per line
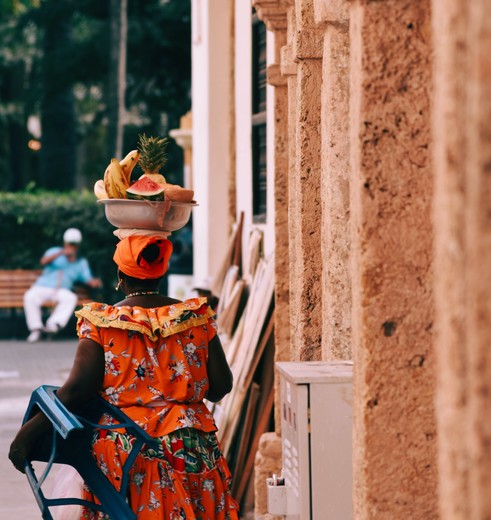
point(15, 282)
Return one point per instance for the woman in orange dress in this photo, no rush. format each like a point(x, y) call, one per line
point(156, 359)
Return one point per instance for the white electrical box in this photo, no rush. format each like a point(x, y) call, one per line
point(316, 426)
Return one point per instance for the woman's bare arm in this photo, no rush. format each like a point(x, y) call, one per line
point(219, 373)
point(83, 383)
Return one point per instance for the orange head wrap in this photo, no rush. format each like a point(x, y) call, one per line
point(129, 259)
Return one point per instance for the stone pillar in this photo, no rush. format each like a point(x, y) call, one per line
point(305, 45)
point(288, 69)
point(462, 220)
point(282, 259)
point(395, 466)
point(273, 14)
point(268, 458)
point(335, 171)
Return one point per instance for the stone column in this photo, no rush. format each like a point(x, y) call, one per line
point(273, 14)
point(288, 69)
point(305, 44)
point(395, 466)
point(333, 16)
point(282, 259)
point(268, 458)
point(462, 220)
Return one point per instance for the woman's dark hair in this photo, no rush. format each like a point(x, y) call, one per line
point(150, 254)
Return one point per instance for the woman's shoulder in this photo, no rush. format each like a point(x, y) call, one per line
point(191, 304)
point(170, 301)
point(164, 320)
point(164, 301)
point(168, 306)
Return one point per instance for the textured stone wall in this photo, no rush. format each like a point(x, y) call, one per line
point(462, 219)
point(282, 278)
point(304, 184)
point(374, 195)
point(289, 70)
point(395, 468)
point(335, 173)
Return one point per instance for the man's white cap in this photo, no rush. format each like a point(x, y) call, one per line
point(72, 236)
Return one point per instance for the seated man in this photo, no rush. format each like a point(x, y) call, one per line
point(62, 268)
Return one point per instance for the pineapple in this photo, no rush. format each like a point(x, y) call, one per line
point(152, 159)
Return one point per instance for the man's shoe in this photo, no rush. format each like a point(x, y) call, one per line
point(34, 336)
point(51, 329)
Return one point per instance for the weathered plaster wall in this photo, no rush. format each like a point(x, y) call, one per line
point(395, 467)
point(449, 120)
point(462, 219)
point(335, 173)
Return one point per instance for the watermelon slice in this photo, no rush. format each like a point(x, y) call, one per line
point(145, 189)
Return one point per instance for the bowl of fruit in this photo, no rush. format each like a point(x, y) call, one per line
point(158, 215)
point(149, 203)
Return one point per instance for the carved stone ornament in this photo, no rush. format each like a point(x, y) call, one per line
point(272, 13)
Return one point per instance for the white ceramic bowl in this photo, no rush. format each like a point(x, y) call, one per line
point(145, 214)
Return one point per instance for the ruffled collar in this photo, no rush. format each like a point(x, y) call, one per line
point(154, 322)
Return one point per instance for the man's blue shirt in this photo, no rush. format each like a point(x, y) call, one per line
point(63, 273)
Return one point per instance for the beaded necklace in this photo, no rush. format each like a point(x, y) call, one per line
point(141, 293)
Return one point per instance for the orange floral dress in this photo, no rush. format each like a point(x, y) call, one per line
point(155, 371)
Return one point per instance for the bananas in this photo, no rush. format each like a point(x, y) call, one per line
point(115, 181)
point(100, 190)
point(117, 177)
point(129, 162)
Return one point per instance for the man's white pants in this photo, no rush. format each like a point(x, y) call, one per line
point(65, 300)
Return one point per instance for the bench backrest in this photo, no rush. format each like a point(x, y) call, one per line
point(15, 282)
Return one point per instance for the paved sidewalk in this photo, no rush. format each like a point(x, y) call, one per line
point(23, 368)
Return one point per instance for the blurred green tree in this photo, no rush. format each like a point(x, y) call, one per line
point(116, 90)
point(54, 65)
